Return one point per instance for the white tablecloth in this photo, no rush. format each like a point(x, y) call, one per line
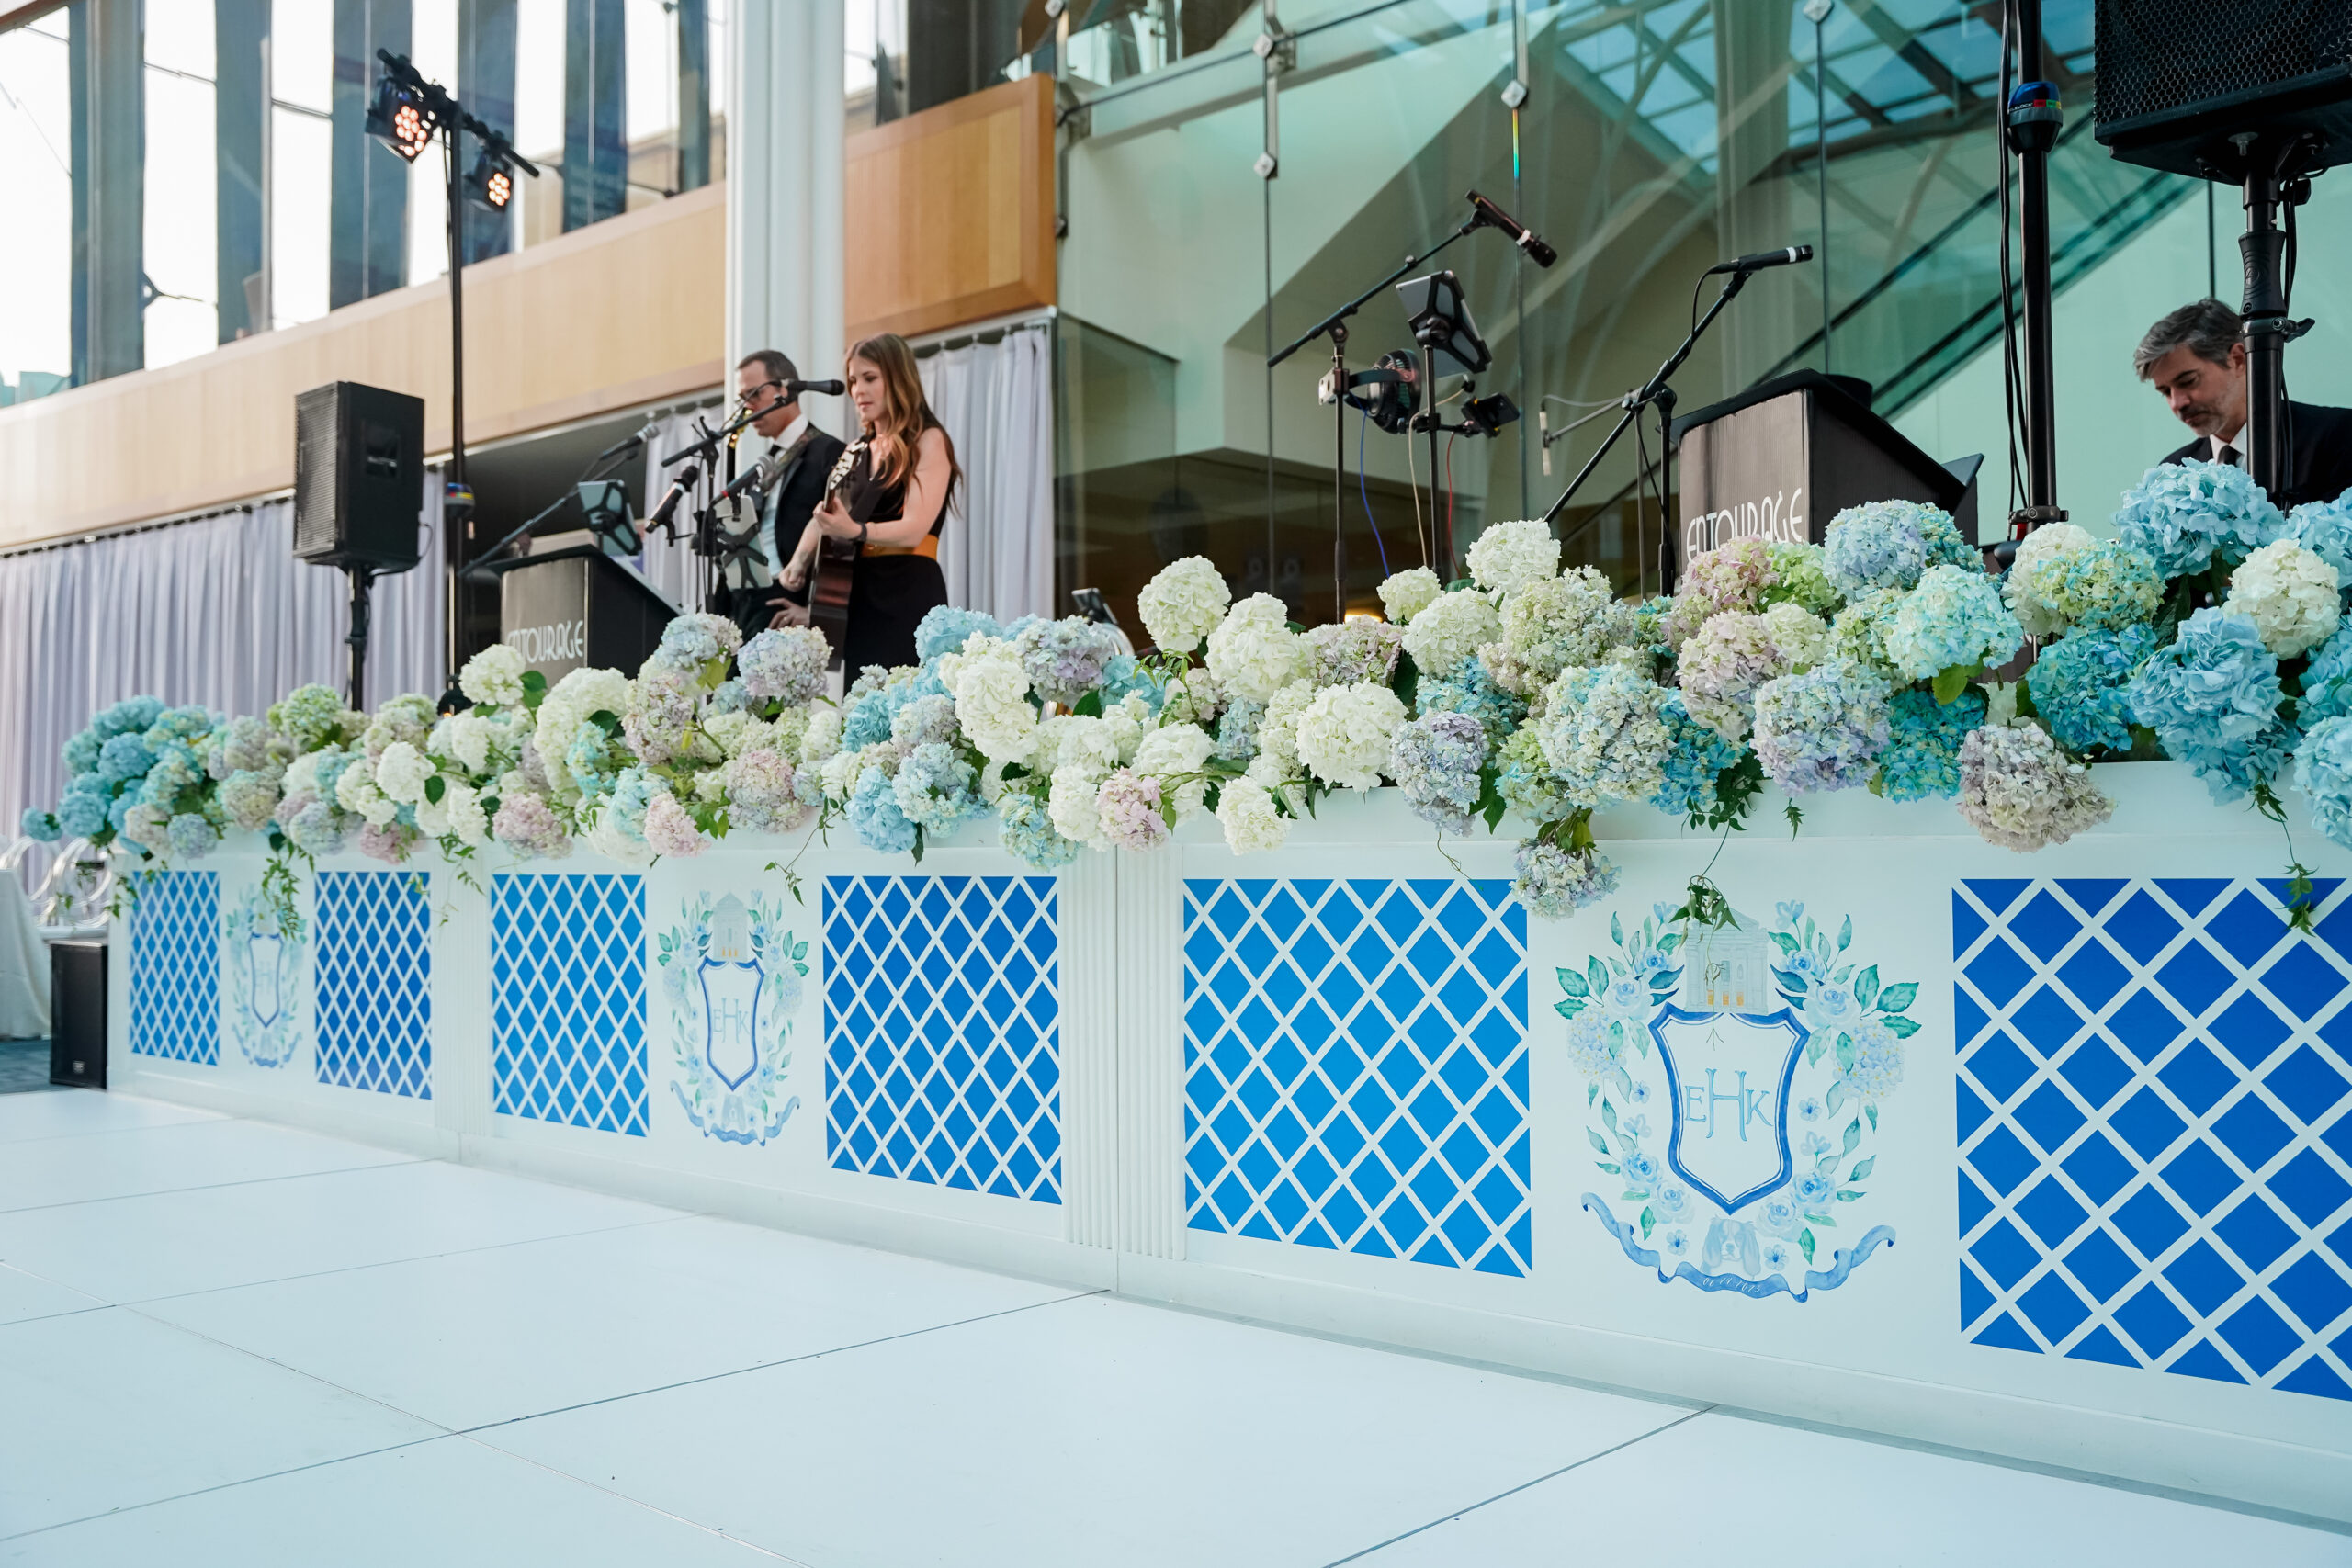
point(23, 966)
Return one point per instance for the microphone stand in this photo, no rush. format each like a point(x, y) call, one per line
point(1654, 391)
point(1334, 327)
point(477, 569)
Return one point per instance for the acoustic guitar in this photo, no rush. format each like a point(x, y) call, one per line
point(836, 559)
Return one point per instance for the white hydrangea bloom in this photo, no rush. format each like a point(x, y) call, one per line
point(1072, 801)
point(1451, 629)
point(493, 676)
point(355, 791)
point(401, 773)
point(574, 698)
point(1126, 722)
point(823, 737)
point(1245, 809)
point(1509, 555)
point(1253, 653)
point(1347, 732)
point(838, 775)
point(1182, 605)
point(2290, 593)
point(608, 838)
point(1409, 592)
point(1801, 636)
point(991, 695)
point(2050, 542)
point(1171, 751)
point(1277, 758)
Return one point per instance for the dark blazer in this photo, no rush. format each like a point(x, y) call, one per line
point(2323, 465)
point(797, 493)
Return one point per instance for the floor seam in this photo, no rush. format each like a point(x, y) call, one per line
point(1513, 1492)
point(633, 1502)
point(769, 1366)
point(210, 1186)
point(227, 1486)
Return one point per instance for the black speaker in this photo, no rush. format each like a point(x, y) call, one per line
point(2178, 78)
point(358, 476)
point(77, 1014)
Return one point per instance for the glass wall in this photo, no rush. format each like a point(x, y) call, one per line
point(1644, 139)
point(205, 173)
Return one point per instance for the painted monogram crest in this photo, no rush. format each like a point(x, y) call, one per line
point(1735, 1074)
point(266, 969)
point(732, 978)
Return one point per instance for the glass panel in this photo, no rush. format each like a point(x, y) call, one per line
point(301, 148)
point(183, 316)
point(874, 69)
point(36, 193)
point(301, 53)
point(538, 118)
point(432, 50)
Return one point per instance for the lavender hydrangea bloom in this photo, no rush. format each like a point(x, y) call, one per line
point(1353, 651)
point(1436, 761)
point(2082, 686)
point(1887, 544)
point(1822, 729)
point(1468, 688)
point(1237, 730)
point(316, 830)
point(2212, 698)
point(248, 796)
point(924, 721)
point(1921, 758)
point(1064, 660)
point(785, 664)
point(945, 628)
point(875, 817)
point(1554, 884)
point(191, 837)
point(528, 825)
point(2183, 513)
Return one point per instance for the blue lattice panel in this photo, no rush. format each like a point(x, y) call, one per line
point(175, 967)
point(567, 1000)
point(1355, 1067)
point(375, 982)
point(943, 1031)
point(2156, 1127)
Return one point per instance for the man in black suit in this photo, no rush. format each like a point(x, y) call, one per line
point(791, 484)
point(2196, 357)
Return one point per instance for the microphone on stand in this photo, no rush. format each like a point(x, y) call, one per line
point(830, 389)
point(1485, 214)
point(671, 498)
point(629, 442)
point(1763, 259)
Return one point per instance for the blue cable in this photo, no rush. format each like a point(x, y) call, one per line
point(1377, 542)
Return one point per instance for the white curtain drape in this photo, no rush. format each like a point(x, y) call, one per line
point(996, 398)
point(216, 610)
point(668, 565)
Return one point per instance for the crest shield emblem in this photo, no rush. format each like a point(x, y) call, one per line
point(730, 980)
point(1729, 1076)
point(265, 967)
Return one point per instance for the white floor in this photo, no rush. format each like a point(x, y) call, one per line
point(224, 1342)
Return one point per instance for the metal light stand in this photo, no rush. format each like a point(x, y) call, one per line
point(363, 583)
point(2034, 120)
point(1334, 327)
point(2277, 177)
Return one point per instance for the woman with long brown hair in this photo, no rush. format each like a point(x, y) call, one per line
point(893, 502)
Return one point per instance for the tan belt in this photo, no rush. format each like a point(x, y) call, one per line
point(928, 548)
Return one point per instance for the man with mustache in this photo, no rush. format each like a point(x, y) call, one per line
point(2196, 357)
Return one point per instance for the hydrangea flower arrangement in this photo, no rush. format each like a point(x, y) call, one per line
point(2212, 698)
point(1954, 620)
point(2183, 515)
point(2104, 586)
point(2082, 687)
point(1888, 543)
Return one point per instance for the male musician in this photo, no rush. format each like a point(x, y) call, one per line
point(2196, 357)
point(792, 483)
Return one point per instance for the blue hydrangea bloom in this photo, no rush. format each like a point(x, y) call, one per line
point(946, 627)
point(40, 826)
point(1123, 676)
point(875, 817)
point(2081, 687)
point(2324, 528)
point(2324, 772)
point(2180, 513)
point(1887, 544)
point(2212, 698)
point(191, 837)
point(633, 792)
point(1026, 831)
point(123, 758)
point(1954, 618)
point(129, 716)
point(1696, 757)
point(82, 814)
point(934, 789)
point(81, 753)
point(1467, 688)
point(1921, 758)
point(119, 814)
point(2327, 679)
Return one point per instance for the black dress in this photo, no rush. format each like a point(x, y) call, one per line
point(891, 591)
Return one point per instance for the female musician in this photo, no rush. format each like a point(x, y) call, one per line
point(893, 502)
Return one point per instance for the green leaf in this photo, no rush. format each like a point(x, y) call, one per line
point(1804, 1245)
point(918, 850)
point(1633, 1195)
point(1786, 942)
point(1598, 973)
point(434, 788)
point(1838, 1092)
point(1862, 1169)
point(1607, 1166)
point(1872, 1111)
point(1895, 998)
point(1812, 1219)
point(1848, 1195)
point(800, 950)
point(1813, 1048)
point(1088, 706)
point(1591, 1091)
point(1795, 816)
point(1597, 1140)
point(1900, 1027)
point(1846, 934)
point(1866, 988)
point(606, 720)
point(1573, 983)
point(1853, 1136)
point(1950, 682)
point(1648, 1219)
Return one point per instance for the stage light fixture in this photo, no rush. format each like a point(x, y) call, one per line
point(492, 183)
point(399, 120)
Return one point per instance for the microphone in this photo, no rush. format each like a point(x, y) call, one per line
point(749, 478)
point(1763, 259)
point(645, 434)
point(1485, 213)
point(830, 389)
point(670, 499)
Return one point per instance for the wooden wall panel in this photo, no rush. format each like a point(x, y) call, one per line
point(949, 214)
point(628, 311)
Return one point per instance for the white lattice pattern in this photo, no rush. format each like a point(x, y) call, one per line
point(567, 1000)
point(2155, 1127)
point(175, 967)
point(943, 1031)
point(1356, 1066)
point(374, 981)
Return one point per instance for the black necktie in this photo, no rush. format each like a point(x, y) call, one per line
point(2230, 454)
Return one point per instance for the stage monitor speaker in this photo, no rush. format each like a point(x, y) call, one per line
point(77, 1014)
point(358, 476)
point(2178, 78)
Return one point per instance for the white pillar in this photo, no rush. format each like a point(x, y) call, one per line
point(784, 189)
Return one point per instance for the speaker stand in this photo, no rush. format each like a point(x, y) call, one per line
point(363, 583)
point(2278, 178)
